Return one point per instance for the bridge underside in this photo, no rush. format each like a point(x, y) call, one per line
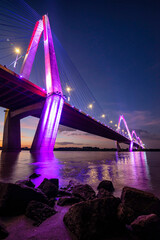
point(24, 98)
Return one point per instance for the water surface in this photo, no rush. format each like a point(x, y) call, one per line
point(135, 169)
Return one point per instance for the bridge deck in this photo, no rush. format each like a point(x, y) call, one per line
point(17, 93)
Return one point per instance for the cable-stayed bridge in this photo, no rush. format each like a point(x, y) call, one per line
point(22, 98)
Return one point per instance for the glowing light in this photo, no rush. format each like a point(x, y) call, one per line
point(111, 121)
point(68, 89)
point(17, 50)
point(115, 125)
point(90, 106)
point(103, 115)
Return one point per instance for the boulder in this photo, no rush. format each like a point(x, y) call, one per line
point(49, 188)
point(51, 202)
point(55, 181)
point(103, 193)
point(34, 175)
point(125, 214)
point(146, 227)
point(71, 185)
point(62, 193)
point(106, 184)
point(85, 192)
point(3, 232)
point(28, 183)
point(15, 198)
point(94, 219)
point(142, 202)
point(38, 212)
point(64, 201)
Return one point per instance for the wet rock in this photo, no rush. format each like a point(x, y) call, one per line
point(146, 227)
point(94, 219)
point(28, 183)
point(55, 181)
point(48, 188)
point(64, 201)
point(34, 175)
point(39, 212)
point(3, 232)
point(51, 202)
point(71, 185)
point(142, 202)
point(106, 184)
point(125, 214)
point(62, 193)
point(15, 198)
point(85, 192)
point(103, 193)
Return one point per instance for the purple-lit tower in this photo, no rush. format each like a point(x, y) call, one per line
point(45, 136)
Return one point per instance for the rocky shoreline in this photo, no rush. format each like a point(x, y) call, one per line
point(87, 215)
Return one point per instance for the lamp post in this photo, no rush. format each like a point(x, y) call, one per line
point(17, 51)
point(68, 89)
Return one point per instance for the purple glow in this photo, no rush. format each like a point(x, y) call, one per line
point(47, 129)
point(31, 51)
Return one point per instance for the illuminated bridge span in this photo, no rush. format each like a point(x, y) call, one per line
point(22, 98)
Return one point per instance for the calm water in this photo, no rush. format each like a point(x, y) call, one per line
point(136, 169)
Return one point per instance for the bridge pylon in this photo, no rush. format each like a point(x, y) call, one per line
point(46, 132)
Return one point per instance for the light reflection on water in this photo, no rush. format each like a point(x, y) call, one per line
point(135, 169)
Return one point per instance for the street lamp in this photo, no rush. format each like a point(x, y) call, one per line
point(90, 106)
point(103, 115)
point(68, 89)
point(17, 51)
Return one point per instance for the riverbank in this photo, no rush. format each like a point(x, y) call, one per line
point(77, 212)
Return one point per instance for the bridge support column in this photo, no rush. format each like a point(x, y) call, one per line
point(11, 133)
point(118, 147)
point(45, 136)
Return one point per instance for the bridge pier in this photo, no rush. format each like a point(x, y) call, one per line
point(118, 147)
point(45, 136)
point(11, 133)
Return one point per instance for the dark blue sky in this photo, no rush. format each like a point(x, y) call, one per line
point(115, 46)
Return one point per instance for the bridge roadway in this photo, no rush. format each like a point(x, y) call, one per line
point(27, 99)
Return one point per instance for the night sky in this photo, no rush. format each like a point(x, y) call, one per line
point(115, 45)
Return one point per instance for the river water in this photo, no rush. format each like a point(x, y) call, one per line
point(136, 169)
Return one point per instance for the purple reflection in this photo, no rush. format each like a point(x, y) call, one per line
point(45, 164)
point(134, 170)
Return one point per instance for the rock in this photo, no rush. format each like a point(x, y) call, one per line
point(3, 232)
point(71, 185)
point(125, 214)
point(34, 175)
point(103, 193)
point(94, 219)
point(64, 201)
point(142, 202)
point(55, 181)
point(146, 227)
point(51, 202)
point(106, 184)
point(48, 188)
point(39, 212)
point(15, 198)
point(85, 192)
point(62, 193)
point(28, 183)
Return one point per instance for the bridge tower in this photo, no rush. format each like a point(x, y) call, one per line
point(46, 132)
